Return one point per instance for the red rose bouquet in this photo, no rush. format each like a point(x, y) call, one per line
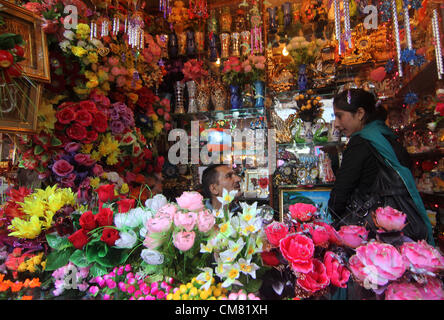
point(308, 251)
point(193, 70)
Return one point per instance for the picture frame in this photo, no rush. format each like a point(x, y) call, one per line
point(318, 196)
point(23, 22)
point(22, 117)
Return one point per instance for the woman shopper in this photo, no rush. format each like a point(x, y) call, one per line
point(375, 169)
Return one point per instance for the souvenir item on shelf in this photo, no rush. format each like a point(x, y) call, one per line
point(203, 95)
point(226, 20)
point(286, 9)
point(179, 88)
point(225, 45)
point(173, 45)
point(235, 44)
point(240, 21)
point(200, 41)
point(218, 95)
point(212, 46)
point(247, 96)
point(245, 42)
point(190, 43)
point(213, 22)
point(283, 133)
point(182, 42)
point(259, 93)
point(272, 19)
point(235, 97)
point(192, 103)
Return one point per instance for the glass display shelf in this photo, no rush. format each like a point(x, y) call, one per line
point(243, 113)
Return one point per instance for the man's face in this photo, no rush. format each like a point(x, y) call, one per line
point(227, 179)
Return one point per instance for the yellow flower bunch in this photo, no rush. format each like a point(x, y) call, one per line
point(46, 114)
point(194, 291)
point(78, 51)
point(39, 208)
point(33, 264)
point(82, 31)
point(109, 148)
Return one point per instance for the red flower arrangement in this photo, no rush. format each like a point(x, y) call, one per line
point(308, 251)
point(81, 122)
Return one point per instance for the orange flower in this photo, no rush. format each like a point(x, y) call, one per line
point(17, 286)
point(26, 298)
point(4, 286)
point(2, 276)
point(35, 282)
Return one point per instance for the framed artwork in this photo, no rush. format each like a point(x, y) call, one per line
point(23, 22)
point(19, 103)
point(316, 196)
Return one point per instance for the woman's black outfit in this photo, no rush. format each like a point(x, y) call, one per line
point(363, 181)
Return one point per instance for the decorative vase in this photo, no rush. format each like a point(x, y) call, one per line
point(240, 21)
point(192, 104)
point(191, 43)
point(226, 20)
point(212, 45)
point(259, 93)
point(272, 22)
point(286, 8)
point(308, 133)
point(179, 88)
point(225, 45)
point(235, 43)
point(218, 95)
point(245, 42)
point(302, 77)
point(173, 46)
point(247, 97)
point(235, 97)
point(203, 96)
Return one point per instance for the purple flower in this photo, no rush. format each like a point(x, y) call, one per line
point(62, 168)
point(114, 114)
point(117, 127)
point(72, 147)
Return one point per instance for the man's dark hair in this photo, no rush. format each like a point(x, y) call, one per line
point(209, 176)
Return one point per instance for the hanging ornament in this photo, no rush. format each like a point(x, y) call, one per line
point(437, 38)
point(397, 40)
point(348, 36)
point(337, 24)
point(93, 30)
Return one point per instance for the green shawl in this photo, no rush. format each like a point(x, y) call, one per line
point(374, 132)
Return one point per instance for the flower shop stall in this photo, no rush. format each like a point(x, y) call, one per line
point(93, 207)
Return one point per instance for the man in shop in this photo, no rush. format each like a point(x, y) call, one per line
point(215, 179)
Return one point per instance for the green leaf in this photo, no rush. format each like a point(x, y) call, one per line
point(103, 251)
point(58, 259)
point(97, 270)
point(38, 150)
point(79, 259)
point(55, 142)
point(253, 285)
point(58, 243)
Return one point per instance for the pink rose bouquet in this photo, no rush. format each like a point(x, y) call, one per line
point(192, 201)
point(232, 71)
point(193, 70)
point(353, 236)
point(422, 258)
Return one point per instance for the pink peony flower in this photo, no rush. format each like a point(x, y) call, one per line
point(377, 263)
point(205, 221)
point(390, 219)
point(168, 211)
point(186, 220)
point(353, 236)
point(62, 168)
point(162, 224)
point(420, 257)
point(192, 201)
point(275, 232)
point(184, 241)
point(432, 290)
point(319, 234)
point(302, 211)
point(402, 291)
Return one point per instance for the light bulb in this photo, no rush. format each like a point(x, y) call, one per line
point(285, 52)
point(218, 61)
